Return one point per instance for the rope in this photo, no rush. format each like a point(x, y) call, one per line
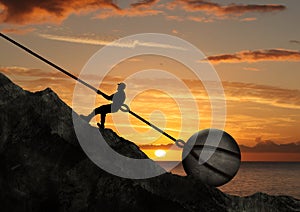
point(179, 143)
point(50, 63)
point(126, 109)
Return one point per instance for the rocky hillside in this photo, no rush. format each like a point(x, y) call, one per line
point(43, 168)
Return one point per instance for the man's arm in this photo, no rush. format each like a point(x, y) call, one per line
point(106, 96)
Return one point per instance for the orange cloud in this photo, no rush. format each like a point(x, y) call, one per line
point(141, 9)
point(174, 31)
point(23, 71)
point(200, 19)
point(214, 11)
point(128, 12)
point(250, 69)
point(36, 80)
point(56, 11)
point(257, 56)
point(18, 31)
point(174, 17)
point(53, 11)
point(262, 94)
point(249, 19)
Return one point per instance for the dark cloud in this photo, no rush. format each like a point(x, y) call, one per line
point(55, 11)
point(217, 9)
point(256, 56)
point(35, 11)
point(161, 146)
point(271, 146)
point(295, 41)
point(144, 3)
point(251, 8)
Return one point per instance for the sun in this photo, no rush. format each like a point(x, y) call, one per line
point(160, 153)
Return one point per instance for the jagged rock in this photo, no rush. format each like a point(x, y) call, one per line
point(43, 168)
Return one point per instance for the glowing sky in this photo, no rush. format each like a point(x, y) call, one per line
point(253, 45)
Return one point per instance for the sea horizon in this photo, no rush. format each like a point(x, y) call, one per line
point(271, 177)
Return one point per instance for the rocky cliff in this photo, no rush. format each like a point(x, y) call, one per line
point(43, 168)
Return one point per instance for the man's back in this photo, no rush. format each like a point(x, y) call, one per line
point(118, 100)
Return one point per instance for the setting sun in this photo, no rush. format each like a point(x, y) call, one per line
point(160, 153)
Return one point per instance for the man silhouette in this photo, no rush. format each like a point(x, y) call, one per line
point(117, 99)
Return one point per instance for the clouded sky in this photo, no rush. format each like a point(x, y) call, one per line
point(253, 46)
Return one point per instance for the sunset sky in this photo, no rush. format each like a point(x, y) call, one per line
point(253, 46)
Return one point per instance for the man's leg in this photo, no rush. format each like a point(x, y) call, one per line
point(103, 110)
point(103, 116)
point(96, 111)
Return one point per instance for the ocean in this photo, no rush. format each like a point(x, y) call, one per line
point(274, 178)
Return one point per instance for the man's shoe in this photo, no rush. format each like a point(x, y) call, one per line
point(101, 126)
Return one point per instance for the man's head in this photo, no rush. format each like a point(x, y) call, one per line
point(121, 86)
